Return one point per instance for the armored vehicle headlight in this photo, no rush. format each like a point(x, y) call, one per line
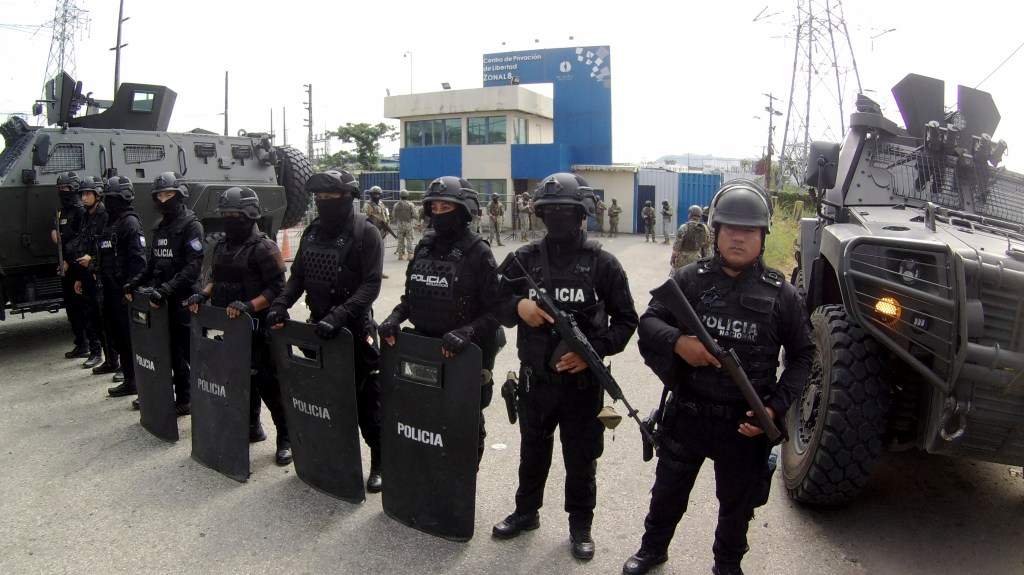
point(889, 310)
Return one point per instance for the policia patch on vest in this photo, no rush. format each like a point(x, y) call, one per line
point(196, 244)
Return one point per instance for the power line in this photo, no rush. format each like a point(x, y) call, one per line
point(1000, 65)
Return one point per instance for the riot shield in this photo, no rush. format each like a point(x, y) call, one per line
point(221, 368)
point(430, 416)
point(151, 352)
point(317, 386)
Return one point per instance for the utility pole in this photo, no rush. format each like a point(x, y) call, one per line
point(309, 120)
point(117, 48)
point(284, 126)
point(772, 112)
point(225, 102)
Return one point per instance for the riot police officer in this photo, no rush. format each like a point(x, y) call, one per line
point(338, 266)
point(84, 252)
point(465, 311)
point(122, 255)
point(705, 416)
point(555, 388)
point(67, 226)
point(175, 261)
point(405, 215)
point(246, 275)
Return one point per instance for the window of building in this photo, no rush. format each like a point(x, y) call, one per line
point(489, 188)
point(486, 130)
point(520, 131)
point(446, 132)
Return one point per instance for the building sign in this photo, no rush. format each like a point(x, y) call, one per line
point(548, 66)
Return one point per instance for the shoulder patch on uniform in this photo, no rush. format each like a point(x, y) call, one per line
point(142, 241)
point(196, 244)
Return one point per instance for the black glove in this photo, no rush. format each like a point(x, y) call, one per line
point(277, 315)
point(331, 324)
point(390, 327)
point(197, 299)
point(157, 297)
point(457, 340)
point(242, 307)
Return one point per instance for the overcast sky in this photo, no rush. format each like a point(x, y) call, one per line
point(686, 76)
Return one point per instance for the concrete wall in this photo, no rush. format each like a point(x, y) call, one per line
point(618, 184)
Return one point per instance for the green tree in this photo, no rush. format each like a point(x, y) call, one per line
point(367, 139)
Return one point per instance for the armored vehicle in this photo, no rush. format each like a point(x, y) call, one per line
point(126, 136)
point(913, 270)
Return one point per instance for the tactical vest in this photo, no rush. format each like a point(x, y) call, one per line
point(112, 269)
point(738, 317)
point(573, 288)
point(329, 281)
point(438, 300)
point(171, 246)
point(403, 211)
point(233, 278)
point(692, 231)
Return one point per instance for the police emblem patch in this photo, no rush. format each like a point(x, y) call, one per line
point(196, 244)
point(142, 241)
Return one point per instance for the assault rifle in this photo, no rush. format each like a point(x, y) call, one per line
point(382, 225)
point(566, 328)
point(60, 245)
point(673, 298)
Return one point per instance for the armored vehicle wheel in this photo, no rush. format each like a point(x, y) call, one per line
point(837, 424)
point(292, 172)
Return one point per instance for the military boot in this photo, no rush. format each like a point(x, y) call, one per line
point(726, 569)
point(80, 350)
point(93, 361)
point(642, 561)
point(284, 451)
point(256, 433)
point(111, 365)
point(118, 376)
point(126, 388)
point(515, 524)
point(581, 544)
point(374, 483)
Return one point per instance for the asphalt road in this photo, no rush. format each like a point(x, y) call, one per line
point(85, 489)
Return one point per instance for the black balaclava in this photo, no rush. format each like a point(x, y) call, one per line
point(238, 229)
point(172, 207)
point(69, 200)
point(334, 214)
point(449, 224)
point(116, 204)
point(563, 225)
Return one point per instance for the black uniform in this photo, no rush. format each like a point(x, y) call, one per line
point(70, 221)
point(242, 271)
point(470, 300)
point(589, 282)
point(342, 274)
point(87, 243)
point(122, 255)
point(754, 313)
point(175, 261)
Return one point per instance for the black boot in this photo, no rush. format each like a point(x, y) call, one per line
point(118, 376)
point(374, 483)
point(515, 524)
point(126, 388)
point(284, 451)
point(106, 367)
point(256, 433)
point(77, 352)
point(726, 569)
point(182, 409)
point(642, 561)
point(93, 361)
point(582, 544)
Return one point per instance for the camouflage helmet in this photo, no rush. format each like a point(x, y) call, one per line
point(239, 200)
point(664, 202)
point(741, 204)
point(336, 180)
point(647, 203)
point(119, 186)
point(455, 190)
point(170, 182)
point(376, 191)
point(695, 211)
point(68, 180)
point(564, 188)
point(403, 194)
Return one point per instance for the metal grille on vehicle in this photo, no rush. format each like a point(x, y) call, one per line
point(65, 157)
point(139, 153)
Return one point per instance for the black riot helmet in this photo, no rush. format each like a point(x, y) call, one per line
point(748, 183)
point(240, 200)
point(170, 182)
point(333, 181)
point(91, 184)
point(565, 189)
point(119, 186)
point(455, 190)
point(741, 203)
point(69, 180)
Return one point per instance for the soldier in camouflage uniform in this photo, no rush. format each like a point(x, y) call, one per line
point(377, 213)
point(692, 241)
point(496, 210)
point(613, 217)
point(650, 232)
point(666, 219)
point(600, 216)
point(405, 216)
